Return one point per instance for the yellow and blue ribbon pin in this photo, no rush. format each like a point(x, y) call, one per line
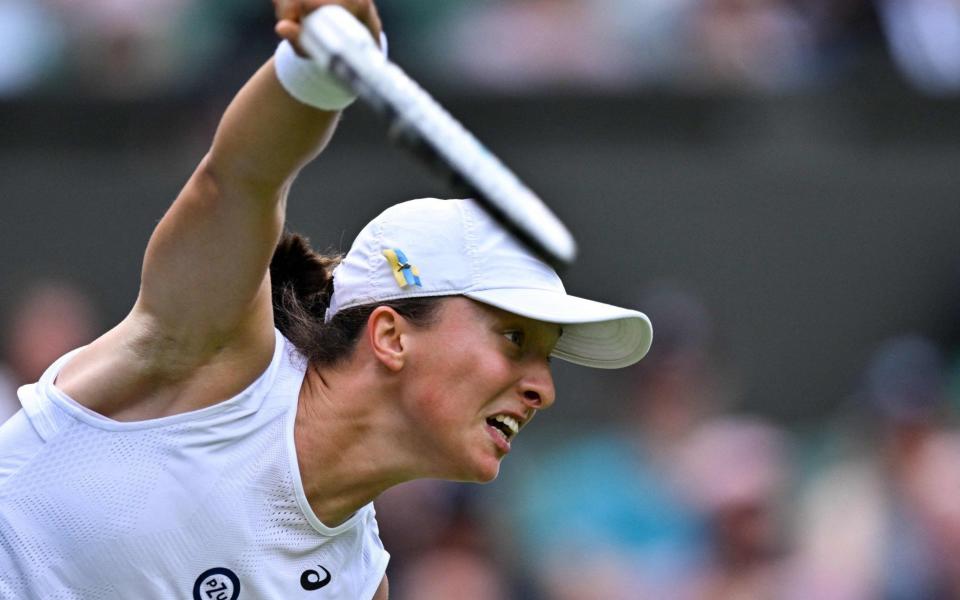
point(406, 274)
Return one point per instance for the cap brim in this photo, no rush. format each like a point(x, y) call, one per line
point(594, 334)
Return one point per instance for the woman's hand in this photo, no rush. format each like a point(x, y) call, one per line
point(290, 13)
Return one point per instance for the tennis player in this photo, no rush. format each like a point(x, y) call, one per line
point(227, 438)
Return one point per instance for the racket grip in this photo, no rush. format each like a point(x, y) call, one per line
point(331, 31)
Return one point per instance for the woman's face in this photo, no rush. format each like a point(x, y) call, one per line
point(476, 377)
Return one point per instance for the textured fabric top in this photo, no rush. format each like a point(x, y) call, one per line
point(206, 505)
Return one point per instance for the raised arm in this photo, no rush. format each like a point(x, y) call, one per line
point(204, 271)
point(205, 295)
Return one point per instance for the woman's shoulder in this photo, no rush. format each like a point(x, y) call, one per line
point(134, 373)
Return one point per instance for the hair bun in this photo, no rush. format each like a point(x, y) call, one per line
point(301, 281)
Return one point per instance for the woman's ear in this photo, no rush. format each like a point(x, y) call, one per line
point(385, 335)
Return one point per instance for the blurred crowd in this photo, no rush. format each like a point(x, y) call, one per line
point(678, 493)
point(683, 496)
point(121, 49)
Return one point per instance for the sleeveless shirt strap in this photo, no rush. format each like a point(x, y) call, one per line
point(39, 410)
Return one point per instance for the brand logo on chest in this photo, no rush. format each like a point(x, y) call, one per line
point(311, 580)
point(217, 584)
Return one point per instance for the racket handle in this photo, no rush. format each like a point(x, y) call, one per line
point(344, 47)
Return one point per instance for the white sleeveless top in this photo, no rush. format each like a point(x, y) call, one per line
point(207, 505)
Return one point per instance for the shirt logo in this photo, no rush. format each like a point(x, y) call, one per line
point(310, 580)
point(217, 584)
point(404, 273)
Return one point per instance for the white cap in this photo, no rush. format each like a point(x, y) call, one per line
point(431, 247)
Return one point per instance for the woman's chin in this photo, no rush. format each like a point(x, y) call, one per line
point(487, 470)
point(483, 471)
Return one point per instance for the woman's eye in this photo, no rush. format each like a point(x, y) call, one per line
point(515, 337)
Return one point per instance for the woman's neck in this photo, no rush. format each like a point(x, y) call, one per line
point(347, 442)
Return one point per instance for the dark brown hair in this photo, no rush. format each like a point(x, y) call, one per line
point(302, 282)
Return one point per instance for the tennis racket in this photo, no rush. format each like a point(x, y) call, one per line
point(417, 122)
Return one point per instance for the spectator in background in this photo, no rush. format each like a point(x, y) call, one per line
point(868, 526)
point(605, 515)
point(765, 45)
point(440, 548)
point(455, 558)
point(924, 40)
point(935, 483)
point(30, 44)
point(48, 320)
point(738, 473)
point(610, 45)
point(544, 45)
point(120, 49)
point(452, 573)
point(414, 518)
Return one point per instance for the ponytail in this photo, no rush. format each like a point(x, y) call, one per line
point(302, 282)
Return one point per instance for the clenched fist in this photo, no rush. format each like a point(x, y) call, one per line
point(291, 12)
